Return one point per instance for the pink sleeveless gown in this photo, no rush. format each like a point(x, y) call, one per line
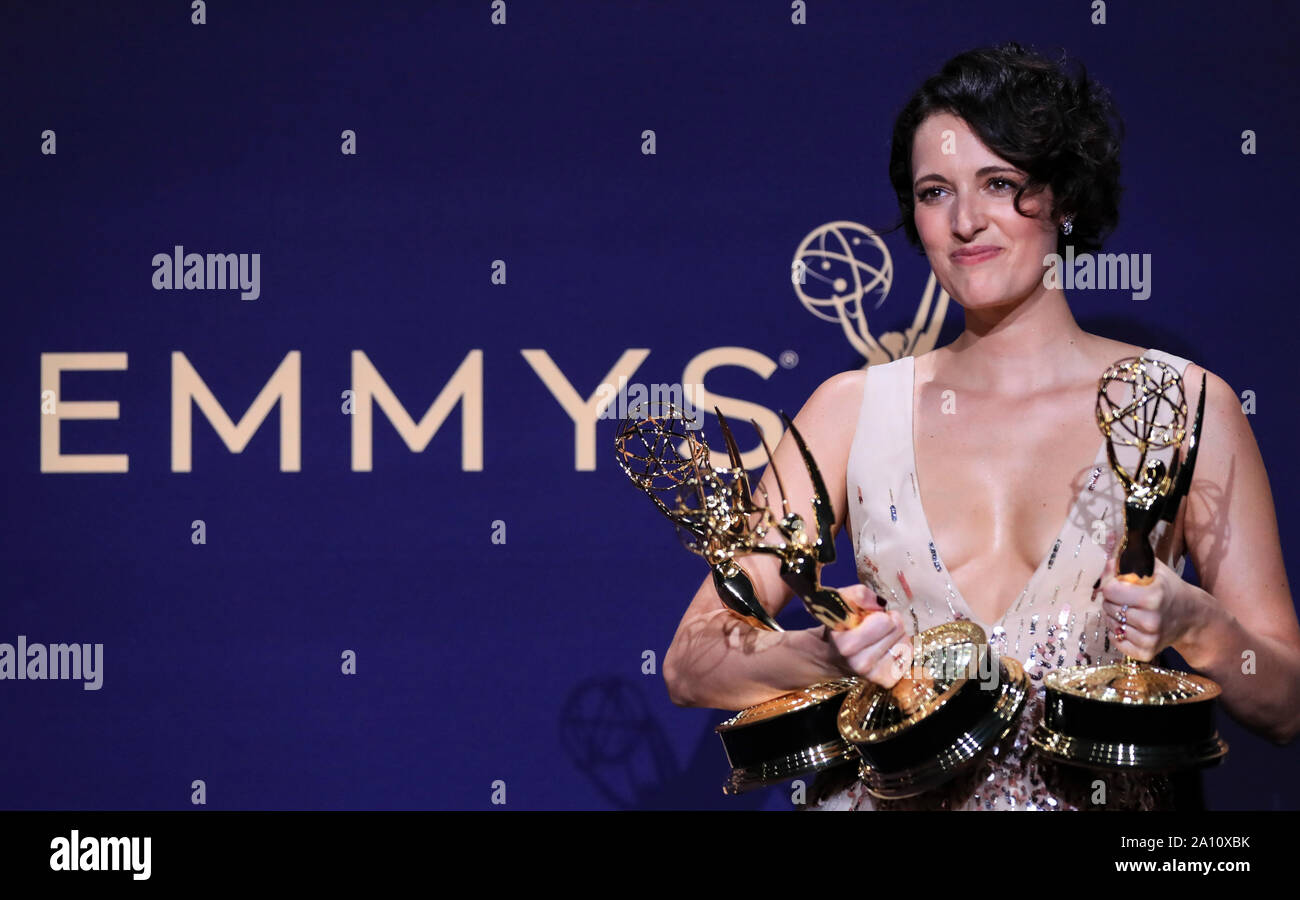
point(1055, 622)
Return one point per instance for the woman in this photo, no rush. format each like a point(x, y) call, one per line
point(999, 161)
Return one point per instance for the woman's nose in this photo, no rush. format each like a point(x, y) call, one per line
point(968, 217)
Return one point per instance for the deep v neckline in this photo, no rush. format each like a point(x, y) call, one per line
point(1099, 460)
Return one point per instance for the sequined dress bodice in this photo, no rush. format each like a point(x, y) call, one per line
point(1055, 622)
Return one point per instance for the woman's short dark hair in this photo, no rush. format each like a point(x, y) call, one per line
point(1062, 130)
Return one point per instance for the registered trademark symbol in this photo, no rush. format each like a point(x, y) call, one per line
point(788, 359)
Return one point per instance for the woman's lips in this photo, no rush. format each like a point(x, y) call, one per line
point(970, 259)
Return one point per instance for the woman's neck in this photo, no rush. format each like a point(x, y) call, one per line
point(1034, 345)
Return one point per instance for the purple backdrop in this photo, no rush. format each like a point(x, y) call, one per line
point(479, 661)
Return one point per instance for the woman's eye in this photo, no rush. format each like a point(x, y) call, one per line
point(999, 185)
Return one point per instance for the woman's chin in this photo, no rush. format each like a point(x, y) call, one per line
point(987, 296)
point(982, 301)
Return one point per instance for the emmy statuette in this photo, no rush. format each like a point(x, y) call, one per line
point(716, 517)
point(1132, 715)
point(905, 739)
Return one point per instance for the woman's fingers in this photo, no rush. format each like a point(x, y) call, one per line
point(861, 596)
point(873, 628)
point(893, 665)
point(878, 649)
point(1131, 618)
point(890, 646)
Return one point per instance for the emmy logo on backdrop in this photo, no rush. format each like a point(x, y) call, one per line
point(841, 263)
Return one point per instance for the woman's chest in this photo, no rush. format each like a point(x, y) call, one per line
point(997, 478)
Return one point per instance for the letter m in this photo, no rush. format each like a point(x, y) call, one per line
point(223, 270)
point(189, 390)
point(121, 855)
point(465, 388)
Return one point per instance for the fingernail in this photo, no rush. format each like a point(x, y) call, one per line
point(881, 601)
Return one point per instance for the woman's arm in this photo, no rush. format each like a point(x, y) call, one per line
point(718, 661)
point(1246, 636)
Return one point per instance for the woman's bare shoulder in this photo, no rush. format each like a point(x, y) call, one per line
point(1112, 350)
point(1223, 406)
point(833, 407)
point(842, 388)
point(1216, 387)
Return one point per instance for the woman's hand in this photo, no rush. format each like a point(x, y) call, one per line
point(878, 649)
point(1146, 619)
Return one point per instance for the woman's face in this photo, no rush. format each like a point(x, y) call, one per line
point(964, 198)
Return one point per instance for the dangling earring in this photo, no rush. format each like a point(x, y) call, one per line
point(1068, 225)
